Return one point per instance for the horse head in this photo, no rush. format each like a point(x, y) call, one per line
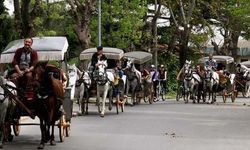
point(72, 74)
point(188, 74)
point(102, 75)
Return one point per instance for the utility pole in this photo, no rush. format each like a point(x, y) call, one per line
point(100, 23)
point(155, 37)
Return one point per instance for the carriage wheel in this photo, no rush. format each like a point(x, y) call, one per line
point(83, 107)
point(233, 96)
point(99, 105)
point(61, 128)
point(146, 99)
point(118, 103)
point(163, 94)
point(179, 93)
point(16, 127)
point(224, 96)
point(122, 105)
point(110, 98)
point(67, 129)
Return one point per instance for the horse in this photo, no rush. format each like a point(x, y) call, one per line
point(5, 104)
point(134, 79)
point(242, 80)
point(104, 82)
point(191, 82)
point(246, 76)
point(81, 81)
point(211, 83)
point(50, 94)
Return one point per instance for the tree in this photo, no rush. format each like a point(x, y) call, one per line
point(122, 23)
point(6, 26)
point(82, 12)
point(26, 12)
point(232, 17)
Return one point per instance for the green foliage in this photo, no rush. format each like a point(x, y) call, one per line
point(121, 23)
point(6, 27)
point(171, 63)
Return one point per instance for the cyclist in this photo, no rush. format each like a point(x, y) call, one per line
point(154, 75)
point(163, 76)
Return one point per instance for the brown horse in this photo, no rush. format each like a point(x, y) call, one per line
point(50, 95)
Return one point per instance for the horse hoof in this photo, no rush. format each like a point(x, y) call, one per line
point(41, 146)
point(52, 143)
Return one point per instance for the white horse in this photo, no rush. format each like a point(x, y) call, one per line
point(104, 81)
point(191, 82)
point(134, 79)
point(211, 83)
point(80, 83)
point(246, 75)
point(5, 103)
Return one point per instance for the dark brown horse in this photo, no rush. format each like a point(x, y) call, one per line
point(50, 94)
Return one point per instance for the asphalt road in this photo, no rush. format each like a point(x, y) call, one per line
point(167, 125)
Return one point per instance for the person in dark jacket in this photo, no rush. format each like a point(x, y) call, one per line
point(98, 56)
point(24, 61)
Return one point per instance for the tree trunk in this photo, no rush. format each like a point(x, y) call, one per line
point(184, 38)
point(83, 36)
point(233, 45)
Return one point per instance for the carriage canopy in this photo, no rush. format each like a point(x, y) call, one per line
point(219, 59)
point(110, 53)
point(246, 63)
point(224, 62)
point(48, 48)
point(139, 56)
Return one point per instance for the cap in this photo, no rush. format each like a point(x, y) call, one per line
point(162, 66)
point(99, 48)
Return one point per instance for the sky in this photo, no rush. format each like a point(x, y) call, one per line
point(10, 6)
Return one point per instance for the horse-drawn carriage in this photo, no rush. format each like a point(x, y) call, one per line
point(243, 78)
point(44, 102)
point(225, 71)
point(140, 86)
point(105, 79)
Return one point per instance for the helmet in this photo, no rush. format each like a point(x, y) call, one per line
point(162, 66)
point(152, 66)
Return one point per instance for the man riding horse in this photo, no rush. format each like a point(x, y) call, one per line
point(211, 63)
point(95, 57)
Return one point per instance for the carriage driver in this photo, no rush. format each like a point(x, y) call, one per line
point(211, 63)
point(24, 61)
point(95, 57)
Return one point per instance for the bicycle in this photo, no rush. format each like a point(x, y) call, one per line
point(160, 91)
point(180, 91)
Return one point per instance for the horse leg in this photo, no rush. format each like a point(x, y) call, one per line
point(105, 92)
point(52, 137)
point(2, 128)
point(43, 134)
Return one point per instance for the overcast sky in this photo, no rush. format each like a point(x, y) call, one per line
point(9, 5)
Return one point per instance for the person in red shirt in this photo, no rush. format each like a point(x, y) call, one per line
point(24, 61)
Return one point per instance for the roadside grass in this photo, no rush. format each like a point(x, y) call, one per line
point(171, 95)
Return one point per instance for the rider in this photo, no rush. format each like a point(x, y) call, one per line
point(97, 56)
point(211, 63)
point(154, 75)
point(24, 62)
point(163, 76)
